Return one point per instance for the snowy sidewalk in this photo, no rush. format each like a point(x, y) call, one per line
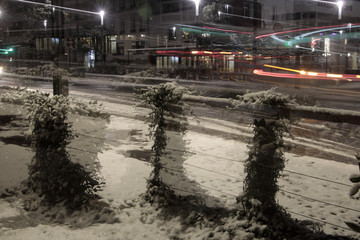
point(206, 165)
point(213, 166)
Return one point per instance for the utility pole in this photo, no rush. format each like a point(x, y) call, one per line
point(58, 29)
point(255, 13)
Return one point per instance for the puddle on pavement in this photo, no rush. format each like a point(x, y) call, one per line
point(142, 155)
point(6, 119)
point(20, 140)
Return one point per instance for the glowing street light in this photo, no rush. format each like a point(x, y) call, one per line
point(227, 8)
point(197, 3)
point(340, 6)
point(102, 13)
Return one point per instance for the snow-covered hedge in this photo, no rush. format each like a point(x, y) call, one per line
point(52, 175)
point(76, 105)
point(167, 113)
point(269, 97)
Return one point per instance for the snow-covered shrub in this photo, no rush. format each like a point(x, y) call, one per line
point(50, 127)
point(264, 164)
point(85, 108)
point(90, 108)
point(269, 97)
point(355, 178)
point(47, 70)
point(167, 113)
point(354, 193)
point(52, 175)
point(17, 98)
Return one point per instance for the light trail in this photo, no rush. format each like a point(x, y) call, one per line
point(282, 68)
point(353, 25)
point(322, 75)
point(225, 30)
point(330, 91)
point(59, 7)
point(318, 50)
point(252, 18)
point(309, 75)
point(305, 29)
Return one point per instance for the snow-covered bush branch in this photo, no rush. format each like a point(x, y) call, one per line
point(167, 113)
point(269, 97)
point(52, 175)
point(265, 163)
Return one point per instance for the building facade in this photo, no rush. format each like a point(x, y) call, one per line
point(163, 33)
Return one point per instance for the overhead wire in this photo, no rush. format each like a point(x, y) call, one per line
point(238, 161)
point(281, 190)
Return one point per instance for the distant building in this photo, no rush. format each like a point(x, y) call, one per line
point(141, 31)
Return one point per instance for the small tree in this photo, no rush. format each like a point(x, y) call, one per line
point(167, 113)
point(264, 164)
point(51, 173)
point(355, 178)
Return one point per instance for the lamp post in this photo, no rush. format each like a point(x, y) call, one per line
point(340, 6)
point(197, 3)
point(102, 14)
point(0, 28)
point(227, 12)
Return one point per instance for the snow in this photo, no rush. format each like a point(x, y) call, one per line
point(212, 167)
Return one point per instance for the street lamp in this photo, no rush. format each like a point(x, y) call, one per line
point(102, 13)
point(340, 6)
point(197, 3)
point(227, 12)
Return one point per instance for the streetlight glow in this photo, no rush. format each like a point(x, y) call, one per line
point(197, 3)
point(340, 6)
point(102, 13)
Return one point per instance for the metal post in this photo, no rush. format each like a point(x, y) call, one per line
point(254, 32)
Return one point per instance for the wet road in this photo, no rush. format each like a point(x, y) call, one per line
point(340, 95)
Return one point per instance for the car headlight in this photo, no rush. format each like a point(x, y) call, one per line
point(1, 70)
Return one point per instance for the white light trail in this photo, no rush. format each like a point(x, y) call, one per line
point(59, 7)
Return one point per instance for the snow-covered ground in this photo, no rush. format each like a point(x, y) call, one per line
point(207, 165)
